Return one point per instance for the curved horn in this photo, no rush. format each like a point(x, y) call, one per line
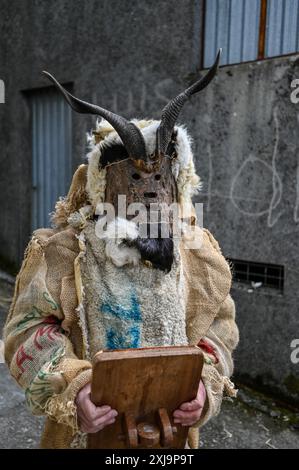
point(129, 133)
point(172, 110)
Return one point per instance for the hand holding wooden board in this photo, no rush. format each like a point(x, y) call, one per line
point(145, 386)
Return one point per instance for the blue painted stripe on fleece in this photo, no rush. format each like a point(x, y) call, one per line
point(122, 324)
point(123, 340)
point(113, 308)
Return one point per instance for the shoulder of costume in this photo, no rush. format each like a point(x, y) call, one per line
point(64, 238)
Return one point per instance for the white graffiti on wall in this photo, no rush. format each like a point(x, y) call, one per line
point(276, 181)
point(277, 184)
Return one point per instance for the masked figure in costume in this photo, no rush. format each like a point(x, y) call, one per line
point(80, 291)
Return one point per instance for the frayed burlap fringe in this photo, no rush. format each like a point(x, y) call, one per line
point(216, 386)
point(79, 441)
point(229, 387)
point(62, 408)
point(64, 413)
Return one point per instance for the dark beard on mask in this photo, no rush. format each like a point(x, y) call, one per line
point(159, 251)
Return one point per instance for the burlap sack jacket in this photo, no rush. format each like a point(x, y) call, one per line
point(44, 341)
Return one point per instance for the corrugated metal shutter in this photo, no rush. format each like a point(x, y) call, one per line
point(234, 26)
point(51, 153)
point(282, 35)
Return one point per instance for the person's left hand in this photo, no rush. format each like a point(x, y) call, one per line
point(190, 412)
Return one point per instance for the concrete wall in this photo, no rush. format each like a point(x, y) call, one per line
point(131, 57)
point(247, 150)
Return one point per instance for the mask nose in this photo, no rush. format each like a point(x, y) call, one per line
point(145, 175)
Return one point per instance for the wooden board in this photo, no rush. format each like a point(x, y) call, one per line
point(138, 383)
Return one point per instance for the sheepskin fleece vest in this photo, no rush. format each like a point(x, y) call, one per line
point(131, 306)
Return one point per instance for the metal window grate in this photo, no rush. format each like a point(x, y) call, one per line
point(270, 275)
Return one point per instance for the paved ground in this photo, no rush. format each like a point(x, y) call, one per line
point(251, 421)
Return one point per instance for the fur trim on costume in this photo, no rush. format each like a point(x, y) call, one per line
point(188, 182)
point(96, 177)
point(116, 233)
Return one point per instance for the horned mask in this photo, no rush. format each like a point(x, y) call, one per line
point(150, 162)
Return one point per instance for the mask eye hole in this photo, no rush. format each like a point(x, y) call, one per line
point(157, 177)
point(136, 176)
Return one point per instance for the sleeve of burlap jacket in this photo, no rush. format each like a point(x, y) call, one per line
point(218, 345)
point(41, 336)
point(211, 317)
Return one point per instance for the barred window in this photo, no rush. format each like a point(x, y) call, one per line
point(258, 274)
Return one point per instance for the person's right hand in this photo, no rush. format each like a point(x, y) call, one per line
point(92, 418)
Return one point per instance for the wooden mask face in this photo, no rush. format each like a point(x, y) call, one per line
point(157, 186)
